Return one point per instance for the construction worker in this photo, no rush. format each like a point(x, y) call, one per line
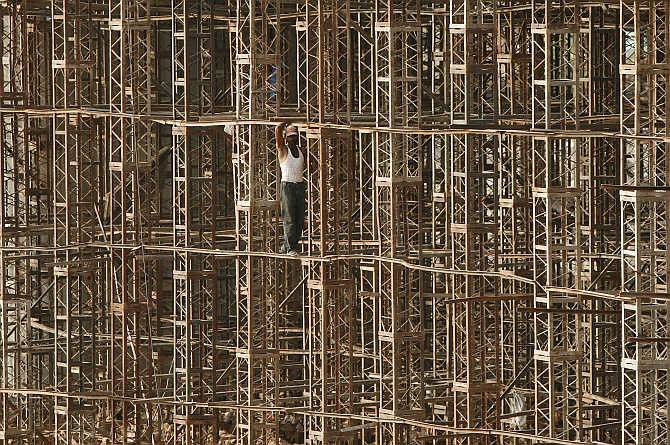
point(292, 163)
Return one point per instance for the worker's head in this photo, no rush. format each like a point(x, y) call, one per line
point(292, 135)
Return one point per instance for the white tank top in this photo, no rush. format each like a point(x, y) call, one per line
point(292, 167)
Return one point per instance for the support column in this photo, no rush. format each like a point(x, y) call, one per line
point(78, 268)
point(257, 224)
point(398, 189)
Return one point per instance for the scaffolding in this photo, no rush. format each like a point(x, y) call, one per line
point(485, 258)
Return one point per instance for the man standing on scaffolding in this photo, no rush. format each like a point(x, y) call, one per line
point(292, 163)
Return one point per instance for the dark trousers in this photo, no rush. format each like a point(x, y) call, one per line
point(292, 213)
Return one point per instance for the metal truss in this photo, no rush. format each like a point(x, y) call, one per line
point(133, 215)
point(330, 286)
point(398, 192)
point(485, 255)
point(78, 268)
point(643, 218)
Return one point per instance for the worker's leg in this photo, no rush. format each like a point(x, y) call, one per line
point(299, 215)
point(287, 221)
point(296, 198)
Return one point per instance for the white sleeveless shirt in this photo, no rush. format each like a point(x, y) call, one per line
point(292, 167)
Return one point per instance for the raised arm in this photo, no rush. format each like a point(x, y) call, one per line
point(279, 137)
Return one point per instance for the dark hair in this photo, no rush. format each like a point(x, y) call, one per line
point(293, 143)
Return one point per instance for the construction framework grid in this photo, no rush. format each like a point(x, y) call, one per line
point(485, 259)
